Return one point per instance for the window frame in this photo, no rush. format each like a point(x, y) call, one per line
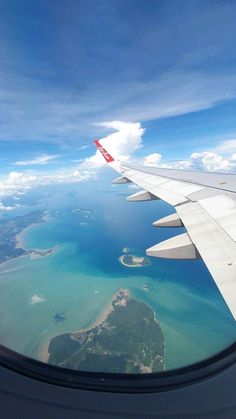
point(117, 382)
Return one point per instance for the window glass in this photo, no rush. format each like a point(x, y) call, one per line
point(78, 291)
point(155, 81)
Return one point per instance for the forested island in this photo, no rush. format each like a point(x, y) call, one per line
point(128, 340)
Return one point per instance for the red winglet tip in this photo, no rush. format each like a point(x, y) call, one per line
point(102, 150)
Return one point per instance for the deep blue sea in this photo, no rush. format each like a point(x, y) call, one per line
point(79, 279)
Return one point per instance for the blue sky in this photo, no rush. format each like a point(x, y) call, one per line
point(66, 67)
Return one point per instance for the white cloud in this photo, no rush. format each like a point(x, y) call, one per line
point(205, 161)
point(127, 138)
point(152, 159)
point(19, 182)
point(211, 162)
point(40, 160)
point(58, 114)
point(36, 299)
point(233, 157)
point(83, 147)
point(16, 182)
point(121, 144)
point(228, 146)
point(5, 208)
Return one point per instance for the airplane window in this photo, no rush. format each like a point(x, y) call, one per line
point(78, 291)
point(136, 275)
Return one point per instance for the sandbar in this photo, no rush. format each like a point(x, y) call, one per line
point(133, 261)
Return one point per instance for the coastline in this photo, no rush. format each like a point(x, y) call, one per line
point(43, 354)
point(137, 261)
point(33, 253)
point(103, 315)
point(19, 238)
point(40, 253)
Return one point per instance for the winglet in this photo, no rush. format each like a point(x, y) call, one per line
point(106, 155)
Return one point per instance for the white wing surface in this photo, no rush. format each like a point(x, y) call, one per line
point(205, 204)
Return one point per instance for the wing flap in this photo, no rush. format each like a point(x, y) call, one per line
point(206, 204)
point(156, 185)
point(223, 210)
point(215, 246)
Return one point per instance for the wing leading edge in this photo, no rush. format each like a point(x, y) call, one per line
point(205, 204)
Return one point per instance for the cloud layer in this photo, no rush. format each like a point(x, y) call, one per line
point(40, 160)
point(17, 183)
point(57, 115)
point(125, 140)
point(128, 138)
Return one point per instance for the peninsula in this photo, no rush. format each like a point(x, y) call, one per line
point(127, 340)
point(10, 228)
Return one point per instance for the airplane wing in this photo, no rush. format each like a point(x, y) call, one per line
point(205, 204)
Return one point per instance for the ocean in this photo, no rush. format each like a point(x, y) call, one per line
point(68, 290)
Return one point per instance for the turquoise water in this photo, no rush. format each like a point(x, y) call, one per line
point(80, 277)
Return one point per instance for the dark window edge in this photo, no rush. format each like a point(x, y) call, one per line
point(114, 382)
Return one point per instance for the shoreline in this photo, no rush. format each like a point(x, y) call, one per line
point(38, 253)
point(33, 253)
point(43, 353)
point(137, 261)
point(19, 239)
point(103, 315)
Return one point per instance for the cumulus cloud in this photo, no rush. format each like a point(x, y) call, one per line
point(36, 299)
point(233, 157)
point(152, 159)
point(127, 139)
point(121, 144)
point(18, 183)
point(205, 161)
point(40, 160)
point(211, 162)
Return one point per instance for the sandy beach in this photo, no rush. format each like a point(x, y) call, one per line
point(35, 253)
point(136, 261)
point(102, 316)
point(19, 238)
point(43, 354)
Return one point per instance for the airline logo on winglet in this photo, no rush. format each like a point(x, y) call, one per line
point(105, 153)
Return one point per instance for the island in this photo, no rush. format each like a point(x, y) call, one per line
point(129, 339)
point(86, 211)
point(11, 228)
point(133, 261)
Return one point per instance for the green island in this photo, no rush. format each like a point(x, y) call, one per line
point(10, 228)
point(133, 261)
point(127, 340)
